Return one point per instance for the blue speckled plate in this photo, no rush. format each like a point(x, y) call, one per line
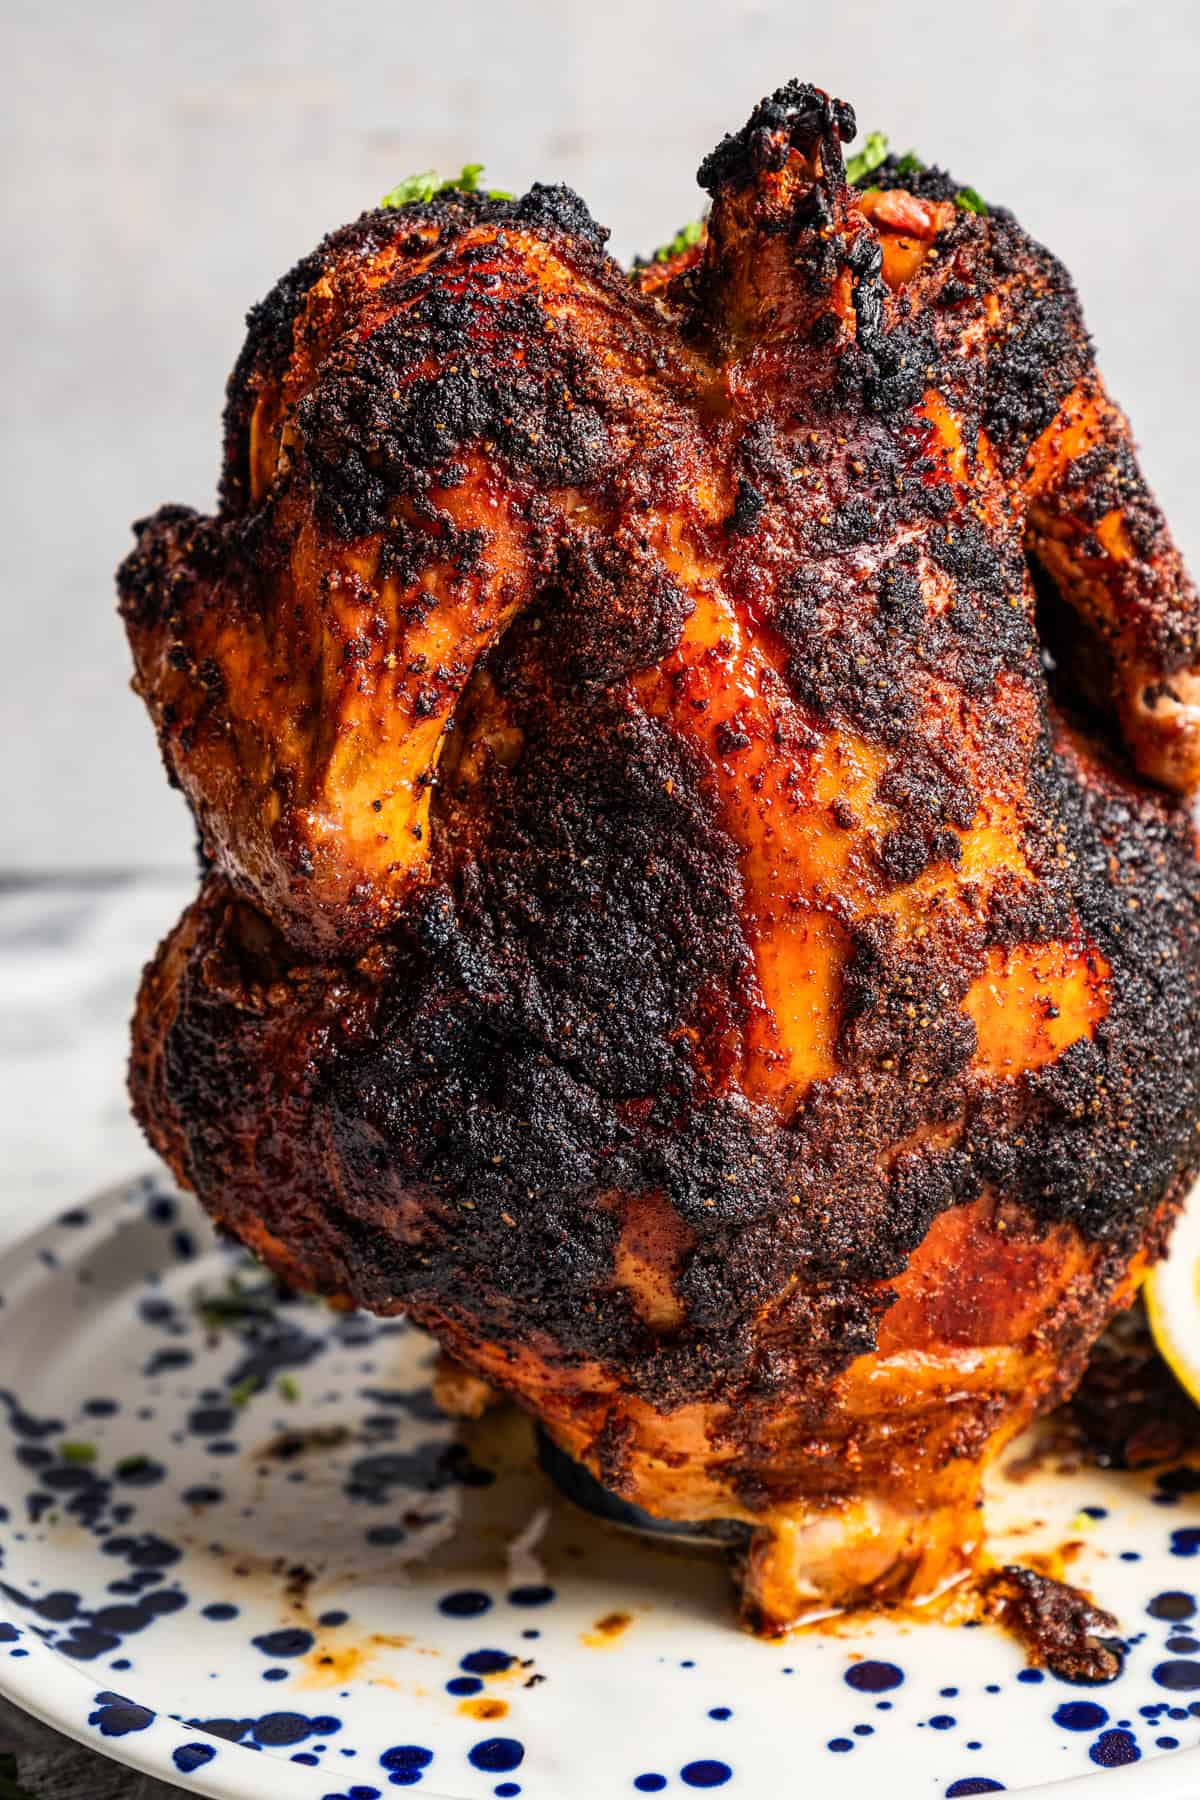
point(243, 1551)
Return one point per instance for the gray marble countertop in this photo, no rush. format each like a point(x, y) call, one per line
point(70, 957)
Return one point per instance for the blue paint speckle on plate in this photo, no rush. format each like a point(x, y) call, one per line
point(840, 1745)
point(1080, 1715)
point(464, 1603)
point(460, 1685)
point(497, 1755)
point(706, 1773)
point(873, 1677)
point(291, 1641)
point(1114, 1748)
point(115, 1716)
point(486, 1662)
point(280, 1729)
point(534, 1593)
point(1180, 1676)
point(942, 1722)
point(188, 1757)
point(1173, 1606)
point(1186, 1541)
point(973, 1784)
point(505, 1790)
point(720, 1712)
point(406, 1756)
point(650, 1783)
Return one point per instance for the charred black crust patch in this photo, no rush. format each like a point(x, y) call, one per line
point(1044, 354)
point(796, 115)
point(374, 425)
point(1110, 1119)
point(556, 211)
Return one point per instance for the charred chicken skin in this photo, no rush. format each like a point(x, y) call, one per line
point(700, 908)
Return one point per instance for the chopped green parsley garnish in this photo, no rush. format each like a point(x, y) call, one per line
point(426, 186)
point(130, 1465)
point(909, 164)
point(683, 240)
point(244, 1391)
point(413, 187)
point(77, 1453)
point(288, 1388)
point(967, 200)
point(869, 157)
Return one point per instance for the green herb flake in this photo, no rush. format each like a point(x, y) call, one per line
point(869, 157)
point(130, 1465)
point(426, 186)
point(683, 240)
point(244, 1391)
point(288, 1388)
point(74, 1452)
point(967, 200)
point(413, 187)
point(240, 1304)
point(909, 164)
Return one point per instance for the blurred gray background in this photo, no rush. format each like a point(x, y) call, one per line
point(164, 163)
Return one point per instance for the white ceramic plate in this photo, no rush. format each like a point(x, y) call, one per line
point(243, 1551)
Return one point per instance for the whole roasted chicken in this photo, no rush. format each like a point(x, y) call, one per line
point(699, 906)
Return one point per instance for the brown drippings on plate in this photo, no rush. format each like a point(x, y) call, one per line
point(290, 1444)
point(1058, 1627)
point(484, 1709)
point(329, 1667)
point(607, 1630)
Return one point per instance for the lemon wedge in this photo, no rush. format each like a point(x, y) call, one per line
point(1172, 1295)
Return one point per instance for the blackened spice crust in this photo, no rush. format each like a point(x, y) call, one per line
point(617, 723)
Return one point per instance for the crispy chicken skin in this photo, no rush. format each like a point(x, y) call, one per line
point(669, 926)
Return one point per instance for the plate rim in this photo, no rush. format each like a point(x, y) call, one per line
point(40, 1682)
